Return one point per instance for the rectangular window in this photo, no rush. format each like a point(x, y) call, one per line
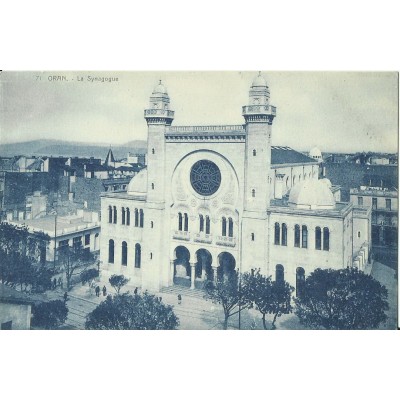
point(360, 201)
point(388, 204)
point(77, 241)
point(87, 239)
point(374, 203)
point(63, 243)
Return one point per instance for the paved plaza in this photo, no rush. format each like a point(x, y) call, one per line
point(196, 313)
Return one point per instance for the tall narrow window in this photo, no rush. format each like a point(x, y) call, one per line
point(297, 236)
point(230, 227)
point(360, 201)
point(152, 186)
point(128, 216)
point(374, 203)
point(141, 222)
point(304, 237)
point(326, 239)
point(207, 225)
point(253, 193)
point(280, 274)
point(179, 221)
point(186, 222)
point(223, 226)
point(153, 151)
point(277, 233)
point(151, 224)
point(124, 255)
point(254, 152)
point(110, 215)
point(115, 215)
point(300, 281)
point(136, 217)
point(389, 204)
point(123, 216)
point(111, 251)
point(252, 237)
point(151, 256)
point(201, 218)
point(138, 254)
point(284, 235)
point(318, 238)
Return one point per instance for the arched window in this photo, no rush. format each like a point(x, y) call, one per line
point(318, 238)
point(277, 233)
point(223, 226)
point(254, 152)
point(124, 255)
point(253, 193)
point(141, 218)
point(252, 237)
point(180, 221)
point(300, 281)
point(152, 186)
point(297, 236)
point(110, 214)
point(304, 237)
point(136, 217)
point(123, 216)
point(201, 218)
point(115, 215)
point(230, 227)
point(138, 255)
point(326, 239)
point(294, 181)
point(186, 222)
point(153, 151)
point(207, 225)
point(151, 224)
point(111, 251)
point(284, 235)
point(279, 274)
point(128, 216)
point(151, 256)
point(287, 182)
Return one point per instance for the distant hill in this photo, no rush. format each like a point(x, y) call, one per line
point(70, 149)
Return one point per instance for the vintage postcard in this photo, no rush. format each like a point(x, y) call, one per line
point(250, 200)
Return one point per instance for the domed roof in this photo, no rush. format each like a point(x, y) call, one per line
point(259, 80)
point(138, 184)
point(311, 194)
point(160, 88)
point(315, 152)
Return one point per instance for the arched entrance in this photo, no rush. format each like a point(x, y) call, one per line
point(182, 270)
point(226, 265)
point(203, 265)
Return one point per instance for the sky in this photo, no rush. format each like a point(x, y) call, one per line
point(335, 111)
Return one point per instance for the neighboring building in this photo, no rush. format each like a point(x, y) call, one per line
point(15, 309)
point(217, 198)
point(82, 227)
point(384, 204)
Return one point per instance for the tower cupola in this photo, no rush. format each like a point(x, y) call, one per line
point(158, 111)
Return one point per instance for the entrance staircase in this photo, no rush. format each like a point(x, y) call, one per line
point(184, 291)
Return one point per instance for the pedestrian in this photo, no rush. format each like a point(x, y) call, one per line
point(59, 281)
point(54, 283)
point(104, 290)
point(160, 298)
point(97, 291)
point(179, 299)
point(65, 297)
point(135, 291)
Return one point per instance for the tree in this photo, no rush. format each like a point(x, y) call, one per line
point(117, 281)
point(342, 299)
point(73, 258)
point(20, 252)
point(49, 315)
point(226, 291)
point(125, 311)
point(89, 275)
point(267, 296)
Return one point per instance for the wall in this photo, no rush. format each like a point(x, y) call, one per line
point(19, 314)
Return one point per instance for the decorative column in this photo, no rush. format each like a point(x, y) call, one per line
point(215, 273)
point(171, 272)
point(193, 274)
point(203, 268)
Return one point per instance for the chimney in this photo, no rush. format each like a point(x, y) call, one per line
point(279, 186)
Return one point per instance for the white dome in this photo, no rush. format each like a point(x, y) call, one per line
point(311, 195)
point(138, 184)
point(160, 88)
point(259, 80)
point(315, 152)
point(327, 182)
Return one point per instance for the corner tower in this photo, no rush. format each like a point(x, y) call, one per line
point(155, 251)
point(258, 115)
